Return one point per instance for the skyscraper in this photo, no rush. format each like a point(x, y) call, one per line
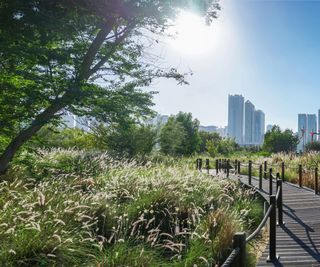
point(311, 127)
point(302, 128)
point(235, 117)
point(259, 127)
point(249, 123)
point(319, 124)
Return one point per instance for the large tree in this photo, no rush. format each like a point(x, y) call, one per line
point(277, 140)
point(180, 136)
point(82, 56)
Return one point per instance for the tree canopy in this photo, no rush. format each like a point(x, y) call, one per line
point(277, 140)
point(83, 56)
point(180, 136)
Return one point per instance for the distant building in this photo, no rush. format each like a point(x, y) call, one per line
point(208, 129)
point(73, 121)
point(249, 117)
point(311, 127)
point(259, 127)
point(319, 124)
point(159, 120)
point(302, 128)
point(235, 117)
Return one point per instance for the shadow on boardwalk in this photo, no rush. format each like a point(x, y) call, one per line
point(298, 241)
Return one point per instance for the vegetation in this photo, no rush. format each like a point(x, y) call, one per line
point(180, 136)
point(71, 207)
point(126, 140)
point(280, 141)
point(313, 146)
point(87, 57)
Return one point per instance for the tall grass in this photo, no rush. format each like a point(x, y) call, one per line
point(73, 208)
point(309, 162)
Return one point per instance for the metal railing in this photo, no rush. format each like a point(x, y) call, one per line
point(237, 257)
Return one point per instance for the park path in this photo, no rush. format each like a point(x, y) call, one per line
point(298, 240)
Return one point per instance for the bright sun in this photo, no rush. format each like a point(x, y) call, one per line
point(192, 35)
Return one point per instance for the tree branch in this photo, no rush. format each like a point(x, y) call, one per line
point(93, 50)
point(118, 40)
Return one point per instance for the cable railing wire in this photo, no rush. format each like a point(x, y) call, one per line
point(231, 257)
point(261, 225)
point(275, 204)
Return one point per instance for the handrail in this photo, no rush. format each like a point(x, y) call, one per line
point(261, 225)
point(234, 253)
point(275, 204)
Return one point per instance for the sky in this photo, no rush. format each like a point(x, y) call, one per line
point(268, 51)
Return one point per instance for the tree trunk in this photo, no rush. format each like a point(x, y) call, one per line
point(27, 133)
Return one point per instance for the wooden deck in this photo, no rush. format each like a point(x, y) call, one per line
point(298, 241)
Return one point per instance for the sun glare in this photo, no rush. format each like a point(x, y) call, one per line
point(191, 35)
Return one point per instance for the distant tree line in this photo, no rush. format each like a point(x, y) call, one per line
point(179, 136)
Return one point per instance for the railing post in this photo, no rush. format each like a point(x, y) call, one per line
point(239, 167)
point(225, 165)
point(279, 202)
point(200, 165)
point(265, 170)
point(228, 168)
point(239, 241)
point(273, 230)
point(250, 171)
point(236, 166)
point(217, 166)
point(270, 181)
point(197, 164)
point(300, 175)
point(260, 177)
point(282, 171)
point(316, 181)
point(207, 165)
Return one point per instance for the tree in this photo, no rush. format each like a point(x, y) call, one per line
point(313, 146)
point(280, 141)
point(83, 56)
point(51, 137)
point(171, 138)
point(212, 138)
point(191, 142)
point(127, 139)
point(180, 136)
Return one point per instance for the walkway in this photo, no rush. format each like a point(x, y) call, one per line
point(298, 241)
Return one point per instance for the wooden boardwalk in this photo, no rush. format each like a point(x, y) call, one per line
point(298, 241)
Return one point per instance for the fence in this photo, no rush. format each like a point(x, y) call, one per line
point(237, 257)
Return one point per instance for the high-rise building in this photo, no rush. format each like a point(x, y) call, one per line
point(311, 127)
point(259, 127)
point(302, 128)
point(235, 117)
point(249, 123)
point(318, 124)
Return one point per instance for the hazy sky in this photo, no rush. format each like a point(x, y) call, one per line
point(268, 51)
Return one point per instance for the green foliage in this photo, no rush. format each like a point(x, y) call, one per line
point(66, 138)
point(313, 146)
point(87, 57)
point(180, 136)
point(214, 144)
point(207, 140)
point(126, 139)
point(121, 213)
point(280, 141)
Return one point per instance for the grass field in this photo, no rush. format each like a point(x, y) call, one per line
point(74, 208)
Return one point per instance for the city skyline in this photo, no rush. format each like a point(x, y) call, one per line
point(277, 67)
point(246, 125)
